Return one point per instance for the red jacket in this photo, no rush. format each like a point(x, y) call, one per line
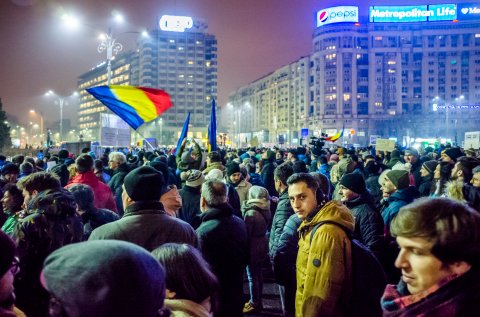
point(103, 197)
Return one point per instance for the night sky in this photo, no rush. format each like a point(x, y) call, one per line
point(38, 53)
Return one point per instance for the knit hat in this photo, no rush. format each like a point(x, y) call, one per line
point(453, 153)
point(399, 178)
point(10, 168)
point(430, 166)
point(195, 178)
point(346, 165)
point(133, 159)
point(354, 182)
point(105, 278)
point(8, 253)
point(162, 167)
point(411, 151)
point(144, 183)
point(63, 154)
point(470, 152)
point(214, 174)
point(258, 192)
point(233, 168)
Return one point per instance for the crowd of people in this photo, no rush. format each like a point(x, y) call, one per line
point(346, 232)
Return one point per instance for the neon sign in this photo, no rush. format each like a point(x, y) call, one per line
point(336, 15)
point(468, 11)
point(422, 13)
point(175, 23)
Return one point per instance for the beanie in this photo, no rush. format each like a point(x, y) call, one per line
point(10, 168)
point(399, 178)
point(354, 182)
point(233, 168)
point(144, 183)
point(195, 178)
point(430, 166)
point(214, 174)
point(162, 167)
point(453, 153)
point(8, 253)
point(105, 278)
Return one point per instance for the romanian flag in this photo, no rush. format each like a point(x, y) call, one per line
point(135, 105)
point(335, 137)
point(212, 130)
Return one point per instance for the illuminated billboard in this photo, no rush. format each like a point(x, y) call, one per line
point(336, 15)
point(468, 11)
point(175, 23)
point(421, 13)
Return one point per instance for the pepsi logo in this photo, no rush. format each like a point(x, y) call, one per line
point(464, 10)
point(323, 16)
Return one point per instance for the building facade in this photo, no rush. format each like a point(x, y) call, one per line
point(404, 80)
point(183, 62)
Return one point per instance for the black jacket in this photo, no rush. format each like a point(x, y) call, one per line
point(284, 211)
point(224, 244)
point(425, 185)
point(368, 224)
point(116, 183)
point(190, 203)
point(267, 177)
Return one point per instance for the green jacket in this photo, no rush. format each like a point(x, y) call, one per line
point(324, 264)
point(9, 224)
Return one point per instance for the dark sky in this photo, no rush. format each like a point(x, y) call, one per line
point(254, 37)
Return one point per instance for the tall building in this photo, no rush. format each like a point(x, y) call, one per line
point(402, 72)
point(179, 57)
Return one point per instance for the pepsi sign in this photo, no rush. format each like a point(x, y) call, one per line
point(336, 15)
point(468, 11)
point(175, 23)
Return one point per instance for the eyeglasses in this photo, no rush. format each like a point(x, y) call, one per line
point(15, 268)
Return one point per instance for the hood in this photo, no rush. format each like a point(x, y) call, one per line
point(365, 198)
point(122, 168)
point(408, 194)
point(54, 202)
point(333, 211)
point(85, 178)
point(261, 205)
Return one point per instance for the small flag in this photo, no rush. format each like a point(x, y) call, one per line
point(336, 136)
point(184, 133)
point(135, 105)
point(212, 130)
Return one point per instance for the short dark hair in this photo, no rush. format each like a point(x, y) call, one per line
point(282, 172)
point(84, 163)
point(187, 273)
point(16, 194)
point(466, 165)
point(452, 227)
point(214, 156)
point(306, 178)
point(300, 167)
point(39, 181)
point(83, 196)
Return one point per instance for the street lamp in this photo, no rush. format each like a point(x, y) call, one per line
point(61, 101)
point(41, 119)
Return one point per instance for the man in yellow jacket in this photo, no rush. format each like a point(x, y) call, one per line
point(324, 264)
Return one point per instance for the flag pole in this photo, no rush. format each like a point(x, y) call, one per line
point(144, 138)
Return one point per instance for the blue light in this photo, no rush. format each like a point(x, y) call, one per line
point(443, 12)
point(399, 13)
point(468, 11)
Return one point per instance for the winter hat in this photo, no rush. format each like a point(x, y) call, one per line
point(354, 182)
point(63, 154)
point(162, 167)
point(10, 168)
point(411, 151)
point(382, 176)
point(233, 168)
point(453, 153)
point(372, 168)
point(195, 178)
point(214, 174)
point(258, 192)
point(430, 166)
point(399, 178)
point(345, 165)
point(144, 183)
point(105, 278)
point(395, 154)
point(8, 253)
point(149, 156)
point(133, 159)
point(470, 152)
point(214, 156)
point(18, 159)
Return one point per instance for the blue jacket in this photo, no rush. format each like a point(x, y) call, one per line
point(396, 201)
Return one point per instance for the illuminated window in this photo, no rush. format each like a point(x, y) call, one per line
point(378, 38)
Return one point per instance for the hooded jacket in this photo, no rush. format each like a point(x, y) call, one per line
point(53, 224)
point(324, 263)
point(396, 201)
point(103, 197)
point(284, 211)
point(116, 183)
point(256, 213)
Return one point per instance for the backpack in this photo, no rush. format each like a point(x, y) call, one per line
point(368, 278)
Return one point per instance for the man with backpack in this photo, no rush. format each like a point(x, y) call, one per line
point(327, 283)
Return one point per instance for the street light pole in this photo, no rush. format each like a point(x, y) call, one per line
point(112, 47)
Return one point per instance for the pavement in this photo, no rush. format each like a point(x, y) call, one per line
point(271, 298)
